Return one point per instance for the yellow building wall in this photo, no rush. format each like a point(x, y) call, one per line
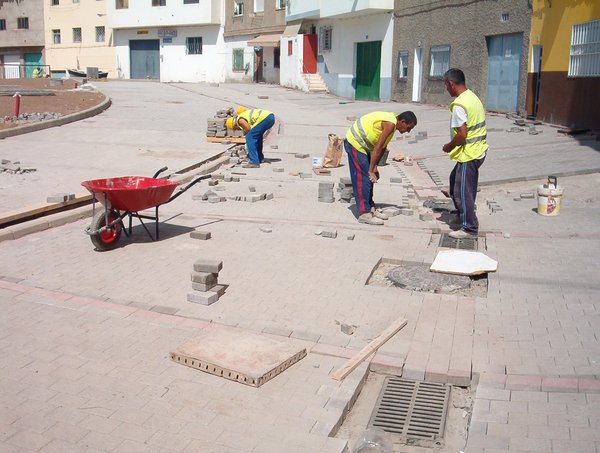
point(551, 25)
point(87, 15)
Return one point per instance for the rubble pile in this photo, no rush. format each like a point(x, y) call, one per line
point(31, 117)
point(6, 166)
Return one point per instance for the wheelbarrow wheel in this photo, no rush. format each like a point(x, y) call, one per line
point(107, 239)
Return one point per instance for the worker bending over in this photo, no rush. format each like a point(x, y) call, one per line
point(254, 123)
point(365, 143)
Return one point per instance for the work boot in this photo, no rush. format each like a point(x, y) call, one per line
point(250, 165)
point(379, 215)
point(462, 234)
point(369, 219)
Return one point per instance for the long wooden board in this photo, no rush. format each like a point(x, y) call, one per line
point(369, 349)
point(226, 139)
point(33, 212)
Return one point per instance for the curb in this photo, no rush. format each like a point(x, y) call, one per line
point(26, 128)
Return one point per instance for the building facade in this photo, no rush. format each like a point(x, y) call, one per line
point(168, 41)
point(347, 42)
point(487, 39)
point(21, 37)
point(252, 35)
point(564, 64)
point(76, 37)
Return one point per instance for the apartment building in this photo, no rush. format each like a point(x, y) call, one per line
point(168, 40)
point(347, 42)
point(21, 38)
point(253, 30)
point(76, 37)
point(487, 39)
point(564, 63)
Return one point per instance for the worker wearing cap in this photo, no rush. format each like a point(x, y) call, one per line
point(365, 143)
point(254, 123)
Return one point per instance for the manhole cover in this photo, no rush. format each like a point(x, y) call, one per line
point(418, 277)
point(415, 410)
point(463, 244)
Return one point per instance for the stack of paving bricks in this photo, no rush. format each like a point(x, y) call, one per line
point(326, 192)
point(215, 127)
point(205, 287)
point(345, 189)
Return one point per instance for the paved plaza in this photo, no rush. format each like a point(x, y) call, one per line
point(86, 336)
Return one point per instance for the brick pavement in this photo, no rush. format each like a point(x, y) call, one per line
point(537, 323)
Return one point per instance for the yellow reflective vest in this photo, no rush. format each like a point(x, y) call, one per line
point(365, 132)
point(475, 144)
point(254, 116)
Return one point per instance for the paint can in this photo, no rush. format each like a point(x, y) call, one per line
point(549, 197)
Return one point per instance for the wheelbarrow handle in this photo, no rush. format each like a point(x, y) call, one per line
point(160, 171)
point(183, 189)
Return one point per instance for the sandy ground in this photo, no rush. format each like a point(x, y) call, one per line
point(60, 96)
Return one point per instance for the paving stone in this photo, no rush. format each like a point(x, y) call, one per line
point(207, 265)
point(203, 286)
point(202, 297)
point(202, 235)
point(60, 197)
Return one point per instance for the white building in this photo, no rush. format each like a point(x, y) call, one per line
point(172, 42)
point(347, 42)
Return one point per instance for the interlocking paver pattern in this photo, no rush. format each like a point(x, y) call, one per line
point(86, 336)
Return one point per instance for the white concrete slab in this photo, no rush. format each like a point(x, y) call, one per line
point(463, 262)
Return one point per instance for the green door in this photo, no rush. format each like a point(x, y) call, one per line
point(368, 64)
point(32, 61)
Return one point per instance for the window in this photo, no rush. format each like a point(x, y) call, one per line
point(276, 57)
point(75, 1)
point(279, 4)
point(238, 59)
point(259, 6)
point(403, 65)
point(121, 4)
point(22, 23)
point(325, 39)
point(159, 2)
point(238, 8)
point(77, 35)
point(440, 61)
point(55, 2)
point(193, 46)
point(56, 36)
point(189, 2)
point(100, 34)
point(584, 60)
point(2, 24)
point(290, 47)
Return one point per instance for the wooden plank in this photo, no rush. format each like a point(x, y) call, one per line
point(226, 139)
point(33, 212)
point(369, 349)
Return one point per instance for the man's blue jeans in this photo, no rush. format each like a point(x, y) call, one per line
point(254, 139)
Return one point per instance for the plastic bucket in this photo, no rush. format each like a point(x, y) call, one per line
point(549, 200)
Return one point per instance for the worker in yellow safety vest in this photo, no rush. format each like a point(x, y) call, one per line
point(365, 143)
point(468, 148)
point(254, 123)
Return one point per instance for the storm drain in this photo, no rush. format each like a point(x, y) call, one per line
point(462, 244)
point(412, 409)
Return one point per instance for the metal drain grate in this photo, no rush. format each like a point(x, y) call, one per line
point(463, 244)
point(415, 410)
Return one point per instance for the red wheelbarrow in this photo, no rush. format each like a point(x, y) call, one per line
point(126, 196)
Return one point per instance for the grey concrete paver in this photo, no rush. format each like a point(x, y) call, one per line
point(108, 320)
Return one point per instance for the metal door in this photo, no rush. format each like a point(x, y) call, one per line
point(32, 61)
point(12, 64)
point(504, 64)
point(144, 56)
point(368, 64)
point(310, 54)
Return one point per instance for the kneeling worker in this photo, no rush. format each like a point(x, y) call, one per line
point(365, 143)
point(254, 123)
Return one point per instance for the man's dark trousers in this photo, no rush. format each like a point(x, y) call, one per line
point(463, 191)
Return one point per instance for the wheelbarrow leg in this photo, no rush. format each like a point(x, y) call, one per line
point(156, 222)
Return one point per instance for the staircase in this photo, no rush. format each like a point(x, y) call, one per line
point(315, 83)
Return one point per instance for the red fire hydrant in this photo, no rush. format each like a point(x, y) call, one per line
point(17, 97)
